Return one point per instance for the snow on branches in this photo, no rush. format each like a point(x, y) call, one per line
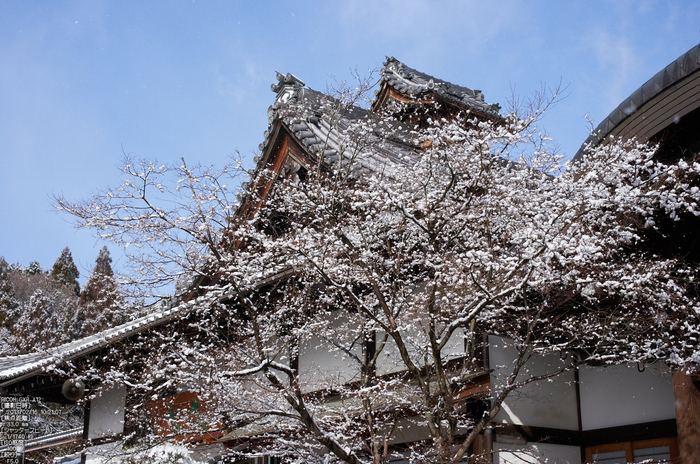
point(347, 307)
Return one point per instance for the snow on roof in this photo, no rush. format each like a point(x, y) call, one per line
point(13, 368)
point(322, 134)
point(410, 82)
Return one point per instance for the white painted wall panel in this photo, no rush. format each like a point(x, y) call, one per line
point(536, 453)
point(547, 403)
point(107, 413)
point(390, 360)
point(621, 395)
point(321, 364)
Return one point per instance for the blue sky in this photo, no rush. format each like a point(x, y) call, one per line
point(82, 81)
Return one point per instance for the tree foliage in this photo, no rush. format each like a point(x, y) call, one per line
point(38, 311)
point(344, 303)
point(65, 271)
point(101, 303)
point(41, 309)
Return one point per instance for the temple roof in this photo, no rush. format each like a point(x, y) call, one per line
point(410, 82)
point(320, 123)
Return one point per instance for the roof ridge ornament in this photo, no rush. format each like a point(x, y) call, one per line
point(287, 87)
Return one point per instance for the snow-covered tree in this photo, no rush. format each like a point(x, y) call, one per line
point(7, 293)
point(41, 311)
point(101, 302)
point(7, 306)
point(394, 244)
point(34, 268)
point(65, 271)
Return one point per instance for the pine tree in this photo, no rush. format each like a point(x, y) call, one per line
point(101, 300)
point(37, 308)
point(34, 268)
point(7, 294)
point(65, 271)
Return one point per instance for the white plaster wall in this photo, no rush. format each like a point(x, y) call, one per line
point(323, 365)
point(107, 413)
point(621, 395)
point(389, 359)
point(455, 345)
point(547, 403)
point(535, 453)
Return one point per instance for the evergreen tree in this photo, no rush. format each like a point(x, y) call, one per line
point(103, 263)
point(7, 294)
point(101, 300)
point(42, 319)
point(34, 268)
point(65, 271)
point(36, 308)
point(40, 313)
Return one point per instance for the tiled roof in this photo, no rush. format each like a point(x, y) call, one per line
point(411, 82)
point(321, 134)
point(15, 367)
point(685, 65)
point(322, 137)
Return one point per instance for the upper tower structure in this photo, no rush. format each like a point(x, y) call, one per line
point(401, 83)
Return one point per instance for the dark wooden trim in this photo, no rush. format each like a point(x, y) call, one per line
point(381, 97)
point(688, 416)
point(387, 92)
point(634, 432)
point(577, 388)
point(630, 446)
point(539, 434)
point(282, 144)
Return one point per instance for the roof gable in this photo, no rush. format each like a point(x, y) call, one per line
point(400, 80)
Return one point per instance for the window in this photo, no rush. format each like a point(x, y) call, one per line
point(658, 450)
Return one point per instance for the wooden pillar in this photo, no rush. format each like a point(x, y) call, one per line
point(687, 417)
point(483, 445)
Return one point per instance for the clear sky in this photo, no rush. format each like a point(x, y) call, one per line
point(83, 81)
